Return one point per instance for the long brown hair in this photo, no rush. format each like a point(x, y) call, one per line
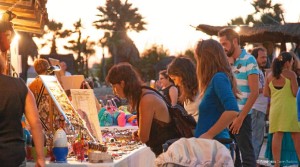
point(211, 58)
point(132, 80)
point(184, 68)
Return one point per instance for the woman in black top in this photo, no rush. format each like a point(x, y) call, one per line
point(154, 121)
point(169, 90)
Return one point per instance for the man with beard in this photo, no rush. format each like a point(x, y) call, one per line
point(245, 69)
point(260, 106)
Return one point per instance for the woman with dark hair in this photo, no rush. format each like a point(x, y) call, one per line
point(168, 89)
point(155, 124)
point(183, 72)
point(281, 86)
point(218, 90)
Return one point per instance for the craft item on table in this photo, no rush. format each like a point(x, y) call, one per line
point(78, 148)
point(60, 143)
point(110, 107)
point(63, 104)
point(124, 108)
point(132, 119)
point(119, 118)
point(123, 135)
point(99, 157)
point(105, 118)
point(93, 146)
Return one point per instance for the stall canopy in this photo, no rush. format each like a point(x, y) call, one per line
point(289, 32)
point(27, 15)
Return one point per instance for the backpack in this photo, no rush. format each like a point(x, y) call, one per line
point(184, 122)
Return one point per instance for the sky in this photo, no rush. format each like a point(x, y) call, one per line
point(169, 22)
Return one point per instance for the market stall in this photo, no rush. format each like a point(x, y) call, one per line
point(87, 143)
point(141, 156)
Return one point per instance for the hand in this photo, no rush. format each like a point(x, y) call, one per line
point(40, 162)
point(236, 125)
point(206, 136)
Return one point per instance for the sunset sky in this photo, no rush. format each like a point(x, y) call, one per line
point(169, 21)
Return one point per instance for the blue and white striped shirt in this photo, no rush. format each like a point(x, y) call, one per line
point(243, 66)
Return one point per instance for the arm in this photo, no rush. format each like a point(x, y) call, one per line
point(146, 114)
point(266, 87)
point(173, 92)
point(253, 85)
point(223, 122)
point(31, 113)
point(229, 103)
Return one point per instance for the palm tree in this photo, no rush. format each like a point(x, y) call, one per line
point(55, 28)
point(153, 60)
point(269, 14)
point(116, 18)
point(80, 46)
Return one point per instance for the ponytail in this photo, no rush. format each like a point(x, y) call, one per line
point(279, 62)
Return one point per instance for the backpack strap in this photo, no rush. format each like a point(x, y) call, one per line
point(159, 94)
point(154, 92)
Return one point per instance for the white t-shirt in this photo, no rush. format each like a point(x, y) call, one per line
point(193, 107)
point(261, 102)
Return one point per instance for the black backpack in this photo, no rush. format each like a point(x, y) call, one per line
point(184, 122)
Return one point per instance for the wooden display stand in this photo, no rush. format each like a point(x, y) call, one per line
point(75, 122)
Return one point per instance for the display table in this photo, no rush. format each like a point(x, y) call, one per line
point(127, 126)
point(142, 156)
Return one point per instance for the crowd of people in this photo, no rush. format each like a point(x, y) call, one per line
point(229, 92)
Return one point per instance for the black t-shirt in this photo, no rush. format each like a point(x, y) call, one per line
point(13, 93)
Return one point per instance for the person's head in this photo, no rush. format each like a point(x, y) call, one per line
point(2, 65)
point(283, 61)
point(164, 79)
point(6, 35)
point(230, 40)
point(126, 82)
point(183, 72)
point(211, 58)
point(41, 66)
point(63, 65)
point(260, 55)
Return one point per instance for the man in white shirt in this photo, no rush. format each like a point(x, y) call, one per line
point(260, 106)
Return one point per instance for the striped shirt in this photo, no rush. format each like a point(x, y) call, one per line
point(243, 66)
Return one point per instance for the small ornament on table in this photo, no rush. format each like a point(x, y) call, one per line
point(79, 148)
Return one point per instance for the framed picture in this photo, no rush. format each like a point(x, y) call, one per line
point(84, 101)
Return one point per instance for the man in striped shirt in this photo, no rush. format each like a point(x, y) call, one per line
point(246, 70)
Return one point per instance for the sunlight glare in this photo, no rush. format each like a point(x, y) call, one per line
point(237, 29)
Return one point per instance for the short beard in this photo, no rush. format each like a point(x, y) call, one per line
point(231, 51)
